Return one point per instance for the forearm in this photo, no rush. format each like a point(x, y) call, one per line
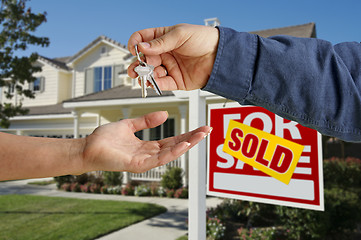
point(29, 157)
point(305, 80)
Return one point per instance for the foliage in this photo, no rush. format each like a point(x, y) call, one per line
point(215, 228)
point(128, 190)
point(268, 233)
point(170, 193)
point(342, 173)
point(113, 178)
point(142, 190)
point(181, 193)
point(41, 217)
point(172, 178)
point(63, 179)
point(18, 24)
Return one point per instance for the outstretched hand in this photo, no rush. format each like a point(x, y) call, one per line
point(114, 147)
point(183, 55)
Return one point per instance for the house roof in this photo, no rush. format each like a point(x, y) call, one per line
point(304, 30)
point(48, 109)
point(58, 63)
point(93, 44)
point(119, 92)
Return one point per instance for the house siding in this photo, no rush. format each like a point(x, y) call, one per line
point(94, 58)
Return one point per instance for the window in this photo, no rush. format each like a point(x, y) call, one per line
point(38, 85)
point(98, 79)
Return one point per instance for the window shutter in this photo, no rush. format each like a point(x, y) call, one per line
point(89, 80)
point(42, 84)
point(117, 70)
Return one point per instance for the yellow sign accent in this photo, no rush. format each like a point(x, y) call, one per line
point(273, 155)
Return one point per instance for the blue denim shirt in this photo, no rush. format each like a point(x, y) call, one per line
point(302, 79)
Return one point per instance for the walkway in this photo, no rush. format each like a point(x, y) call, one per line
point(167, 226)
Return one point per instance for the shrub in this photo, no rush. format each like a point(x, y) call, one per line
point(181, 193)
point(337, 222)
point(172, 178)
point(81, 179)
point(75, 187)
point(85, 188)
point(342, 173)
point(142, 190)
point(215, 228)
point(104, 189)
point(94, 188)
point(258, 233)
point(161, 192)
point(66, 187)
point(170, 193)
point(128, 190)
point(113, 178)
point(63, 179)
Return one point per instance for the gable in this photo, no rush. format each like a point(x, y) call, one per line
point(96, 46)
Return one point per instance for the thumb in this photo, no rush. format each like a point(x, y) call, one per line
point(165, 43)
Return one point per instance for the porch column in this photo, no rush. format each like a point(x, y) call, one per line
point(126, 114)
point(76, 117)
point(183, 128)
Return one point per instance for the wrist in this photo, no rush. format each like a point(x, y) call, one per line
point(76, 157)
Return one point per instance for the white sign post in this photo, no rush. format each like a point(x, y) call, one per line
point(197, 171)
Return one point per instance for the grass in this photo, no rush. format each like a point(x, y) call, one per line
point(38, 217)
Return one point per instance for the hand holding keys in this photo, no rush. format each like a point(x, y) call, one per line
point(145, 73)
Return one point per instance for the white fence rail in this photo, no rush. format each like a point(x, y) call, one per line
point(155, 174)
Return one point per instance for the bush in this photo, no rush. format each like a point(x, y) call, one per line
point(82, 179)
point(75, 187)
point(338, 221)
point(215, 228)
point(66, 187)
point(142, 190)
point(94, 188)
point(104, 189)
point(269, 233)
point(128, 190)
point(170, 193)
point(113, 178)
point(85, 188)
point(172, 178)
point(342, 173)
point(63, 179)
point(181, 193)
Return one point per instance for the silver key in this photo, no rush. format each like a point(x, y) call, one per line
point(145, 73)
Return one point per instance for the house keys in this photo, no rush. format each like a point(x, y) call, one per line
point(145, 74)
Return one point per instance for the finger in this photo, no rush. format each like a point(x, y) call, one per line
point(160, 71)
point(191, 137)
point(144, 36)
point(149, 120)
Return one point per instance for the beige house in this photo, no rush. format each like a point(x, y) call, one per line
point(76, 94)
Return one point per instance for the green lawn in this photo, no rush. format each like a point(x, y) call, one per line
point(36, 217)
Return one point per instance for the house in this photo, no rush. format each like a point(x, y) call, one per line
point(76, 94)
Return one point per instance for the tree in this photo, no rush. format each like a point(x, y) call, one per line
point(17, 25)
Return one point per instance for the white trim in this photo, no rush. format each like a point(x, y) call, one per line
point(71, 64)
point(50, 116)
point(127, 101)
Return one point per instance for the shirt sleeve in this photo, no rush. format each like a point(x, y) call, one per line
point(306, 80)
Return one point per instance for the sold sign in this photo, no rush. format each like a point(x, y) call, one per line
point(270, 154)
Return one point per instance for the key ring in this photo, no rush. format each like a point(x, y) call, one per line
point(138, 57)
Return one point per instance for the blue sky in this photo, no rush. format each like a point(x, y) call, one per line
point(72, 24)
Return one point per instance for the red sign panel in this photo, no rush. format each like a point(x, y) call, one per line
point(230, 177)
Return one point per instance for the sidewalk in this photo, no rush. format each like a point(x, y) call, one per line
point(167, 226)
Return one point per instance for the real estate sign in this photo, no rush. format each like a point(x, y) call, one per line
point(255, 155)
